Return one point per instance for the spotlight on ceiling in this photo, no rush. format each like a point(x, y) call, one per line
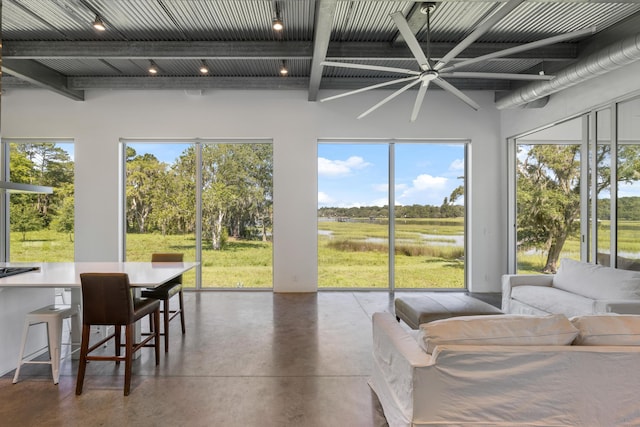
point(98, 24)
point(277, 24)
point(204, 69)
point(153, 68)
point(283, 70)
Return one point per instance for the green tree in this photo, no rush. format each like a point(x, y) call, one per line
point(548, 198)
point(144, 173)
point(24, 216)
point(64, 222)
point(548, 191)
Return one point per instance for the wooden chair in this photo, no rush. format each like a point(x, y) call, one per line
point(107, 300)
point(165, 292)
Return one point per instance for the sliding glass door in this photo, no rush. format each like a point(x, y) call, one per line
point(410, 237)
point(211, 200)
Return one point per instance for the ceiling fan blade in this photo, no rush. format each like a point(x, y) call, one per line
point(390, 97)
point(522, 48)
point(370, 67)
point(416, 106)
point(478, 32)
point(502, 76)
point(364, 89)
point(411, 40)
point(455, 91)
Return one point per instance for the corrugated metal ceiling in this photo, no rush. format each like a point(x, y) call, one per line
point(360, 31)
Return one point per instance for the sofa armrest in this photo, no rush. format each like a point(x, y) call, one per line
point(616, 306)
point(397, 361)
point(391, 339)
point(510, 281)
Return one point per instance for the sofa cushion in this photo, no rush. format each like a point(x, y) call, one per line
point(597, 281)
point(607, 329)
point(552, 300)
point(554, 329)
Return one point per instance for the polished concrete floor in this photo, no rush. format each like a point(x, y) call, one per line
point(247, 359)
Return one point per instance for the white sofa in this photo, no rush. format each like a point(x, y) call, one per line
point(472, 378)
point(577, 288)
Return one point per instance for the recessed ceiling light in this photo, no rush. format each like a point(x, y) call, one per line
point(283, 70)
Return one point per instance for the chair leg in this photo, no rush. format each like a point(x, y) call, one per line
point(181, 310)
point(166, 314)
point(24, 342)
point(54, 332)
point(117, 329)
point(82, 363)
point(128, 357)
point(156, 332)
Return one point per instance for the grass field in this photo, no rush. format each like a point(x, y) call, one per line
point(350, 254)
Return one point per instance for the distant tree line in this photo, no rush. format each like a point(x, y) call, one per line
point(446, 210)
point(628, 208)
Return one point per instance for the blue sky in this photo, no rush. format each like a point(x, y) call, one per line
point(357, 174)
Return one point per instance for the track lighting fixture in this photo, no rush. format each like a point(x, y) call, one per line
point(153, 68)
point(98, 24)
point(283, 70)
point(204, 69)
point(277, 24)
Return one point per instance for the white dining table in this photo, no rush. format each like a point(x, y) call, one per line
point(67, 275)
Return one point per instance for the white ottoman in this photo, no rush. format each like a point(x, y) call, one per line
point(415, 310)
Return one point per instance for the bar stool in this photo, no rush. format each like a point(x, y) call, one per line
point(52, 315)
point(165, 292)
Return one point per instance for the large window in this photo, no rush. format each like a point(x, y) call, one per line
point(411, 237)
point(211, 200)
point(41, 226)
point(548, 178)
point(628, 186)
point(566, 208)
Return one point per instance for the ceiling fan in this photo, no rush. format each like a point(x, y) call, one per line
point(435, 71)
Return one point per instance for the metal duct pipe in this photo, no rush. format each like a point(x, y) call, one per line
point(610, 58)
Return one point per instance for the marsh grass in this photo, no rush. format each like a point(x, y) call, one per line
point(345, 258)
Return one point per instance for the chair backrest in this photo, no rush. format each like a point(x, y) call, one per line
point(106, 299)
point(169, 257)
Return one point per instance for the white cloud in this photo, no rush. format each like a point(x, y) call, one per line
point(380, 202)
point(428, 182)
point(380, 188)
point(336, 168)
point(324, 198)
point(425, 190)
point(457, 165)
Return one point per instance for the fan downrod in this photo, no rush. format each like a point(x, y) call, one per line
point(427, 7)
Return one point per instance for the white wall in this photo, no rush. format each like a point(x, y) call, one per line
point(295, 125)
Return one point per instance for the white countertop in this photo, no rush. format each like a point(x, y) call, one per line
point(67, 274)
